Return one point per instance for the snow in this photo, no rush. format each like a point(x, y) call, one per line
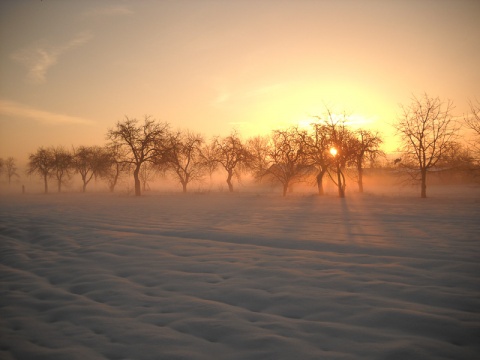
point(239, 276)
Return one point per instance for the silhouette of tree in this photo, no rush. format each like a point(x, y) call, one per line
point(147, 174)
point(343, 143)
point(145, 143)
point(90, 161)
point(207, 153)
point(62, 165)
point(457, 158)
point(231, 154)
point(317, 147)
point(11, 169)
point(184, 157)
point(367, 145)
point(287, 157)
point(258, 149)
point(115, 166)
point(473, 120)
point(427, 130)
point(41, 163)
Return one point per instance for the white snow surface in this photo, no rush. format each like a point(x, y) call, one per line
point(239, 276)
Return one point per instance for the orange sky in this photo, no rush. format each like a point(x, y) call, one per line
point(70, 69)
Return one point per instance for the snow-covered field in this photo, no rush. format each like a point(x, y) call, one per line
point(242, 276)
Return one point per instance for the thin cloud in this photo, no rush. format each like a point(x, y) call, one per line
point(38, 59)
point(14, 109)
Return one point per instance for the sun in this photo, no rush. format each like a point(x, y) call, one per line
point(333, 151)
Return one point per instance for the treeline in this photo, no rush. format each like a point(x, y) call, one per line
point(328, 149)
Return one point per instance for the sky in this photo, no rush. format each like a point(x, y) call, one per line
point(70, 70)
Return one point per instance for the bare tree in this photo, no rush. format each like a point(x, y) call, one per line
point(41, 163)
point(115, 167)
point(287, 157)
point(2, 165)
point(207, 154)
point(143, 141)
point(62, 165)
point(473, 119)
point(258, 148)
point(232, 155)
point(458, 159)
point(341, 153)
point(317, 147)
point(367, 145)
point(11, 169)
point(184, 157)
point(427, 129)
point(147, 174)
point(90, 161)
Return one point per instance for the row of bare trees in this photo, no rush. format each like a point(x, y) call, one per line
point(329, 149)
point(286, 157)
point(60, 164)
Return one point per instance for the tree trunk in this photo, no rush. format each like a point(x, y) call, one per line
point(184, 185)
point(285, 189)
point(115, 179)
point(340, 183)
point(46, 183)
point(229, 182)
point(320, 182)
point(136, 172)
point(84, 187)
point(423, 193)
point(360, 178)
point(59, 185)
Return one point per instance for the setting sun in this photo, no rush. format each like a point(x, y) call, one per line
point(333, 151)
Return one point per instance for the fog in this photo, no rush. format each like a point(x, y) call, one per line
point(380, 181)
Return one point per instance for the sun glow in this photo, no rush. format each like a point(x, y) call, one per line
point(333, 151)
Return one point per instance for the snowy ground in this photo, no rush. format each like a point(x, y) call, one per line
point(243, 276)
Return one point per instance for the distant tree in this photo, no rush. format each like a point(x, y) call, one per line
point(147, 174)
point(258, 148)
point(366, 145)
point(2, 165)
point(232, 155)
point(62, 165)
point(317, 147)
point(473, 119)
point(145, 143)
point(41, 163)
point(427, 130)
point(287, 157)
point(114, 166)
point(11, 169)
point(184, 158)
point(343, 148)
point(207, 153)
point(90, 161)
point(457, 158)
point(332, 147)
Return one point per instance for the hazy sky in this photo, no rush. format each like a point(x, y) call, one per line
point(69, 70)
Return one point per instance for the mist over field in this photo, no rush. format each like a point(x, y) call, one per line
point(244, 275)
